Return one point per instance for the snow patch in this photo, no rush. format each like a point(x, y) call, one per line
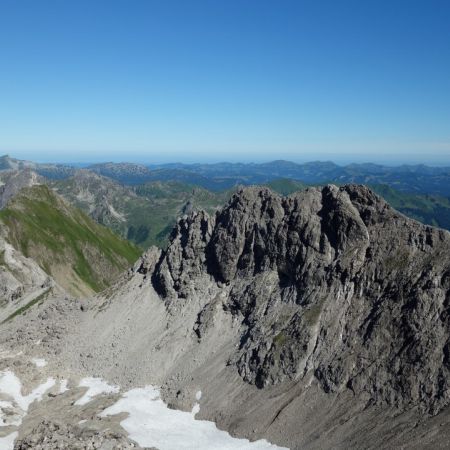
point(39, 362)
point(195, 409)
point(96, 386)
point(7, 442)
point(14, 410)
point(152, 424)
point(63, 386)
point(12, 387)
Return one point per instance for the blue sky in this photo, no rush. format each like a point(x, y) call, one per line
point(243, 80)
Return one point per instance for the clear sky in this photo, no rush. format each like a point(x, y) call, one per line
point(362, 80)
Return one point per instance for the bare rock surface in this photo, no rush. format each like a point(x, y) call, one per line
point(56, 435)
point(329, 281)
point(22, 281)
point(12, 181)
point(318, 320)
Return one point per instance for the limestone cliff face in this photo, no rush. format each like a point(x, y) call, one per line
point(330, 282)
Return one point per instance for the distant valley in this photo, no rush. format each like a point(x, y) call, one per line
point(142, 203)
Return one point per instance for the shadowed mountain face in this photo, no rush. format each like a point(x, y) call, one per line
point(328, 282)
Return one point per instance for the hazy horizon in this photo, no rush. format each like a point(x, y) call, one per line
point(207, 81)
point(155, 160)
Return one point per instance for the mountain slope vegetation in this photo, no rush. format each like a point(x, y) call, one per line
point(81, 255)
point(146, 213)
point(143, 214)
point(142, 204)
point(429, 209)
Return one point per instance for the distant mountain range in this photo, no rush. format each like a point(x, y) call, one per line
point(412, 179)
point(54, 171)
point(142, 204)
point(417, 179)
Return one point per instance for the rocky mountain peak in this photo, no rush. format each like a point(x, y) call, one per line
point(259, 230)
point(329, 282)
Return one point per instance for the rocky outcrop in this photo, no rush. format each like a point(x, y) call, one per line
point(329, 282)
point(21, 280)
point(184, 265)
point(54, 436)
point(14, 181)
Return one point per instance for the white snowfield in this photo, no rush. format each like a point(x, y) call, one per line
point(96, 386)
point(152, 424)
point(7, 442)
point(15, 406)
point(12, 387)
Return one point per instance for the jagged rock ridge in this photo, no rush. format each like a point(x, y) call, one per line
point(329, 282)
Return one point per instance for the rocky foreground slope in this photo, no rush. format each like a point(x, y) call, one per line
point(318, 320)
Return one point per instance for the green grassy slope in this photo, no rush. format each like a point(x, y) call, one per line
point(286, 186)
point(80, 254)
point(145, 214)
point(429, 209)
point(168, 201)
point(107, 202)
